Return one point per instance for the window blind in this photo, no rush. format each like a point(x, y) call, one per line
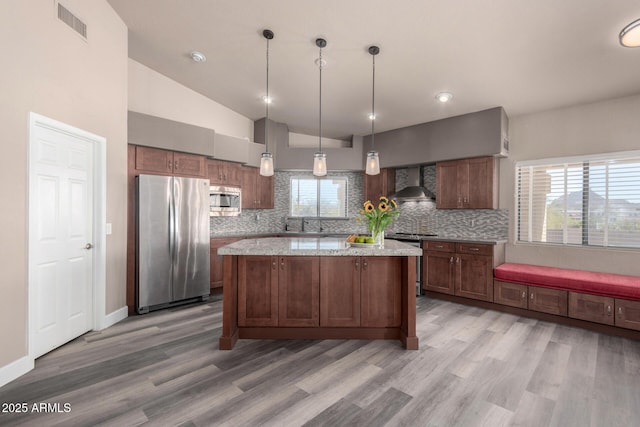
point(312, 197)
point(591, 201)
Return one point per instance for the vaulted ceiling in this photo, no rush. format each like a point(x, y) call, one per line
point(524, 55)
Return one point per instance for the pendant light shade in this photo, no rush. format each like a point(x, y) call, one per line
point(373, 163)
point(373, 159)
point(266, 161)
point(320, 158)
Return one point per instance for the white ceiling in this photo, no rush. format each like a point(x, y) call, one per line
point(524, 55)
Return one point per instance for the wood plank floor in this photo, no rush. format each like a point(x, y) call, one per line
point(475, 367)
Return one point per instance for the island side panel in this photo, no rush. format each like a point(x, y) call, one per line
point(408, 283)
point(380, 283)
point(229, 304)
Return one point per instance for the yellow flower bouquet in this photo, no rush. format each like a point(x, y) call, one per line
point(379, 217)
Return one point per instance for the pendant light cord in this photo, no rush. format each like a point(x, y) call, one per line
point(267, 100)
point(320, 106)
point(373, 103)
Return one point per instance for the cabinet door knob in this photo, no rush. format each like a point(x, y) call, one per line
point(531, 295)
point(357, 264)
point(168, 164)
point(620, 312)
point(282, 263)
point(451, 260)
point(273, 264)
point(458, 260)
point(364, 264)
point(175, 165)
point(524, 294)
point(608, 310)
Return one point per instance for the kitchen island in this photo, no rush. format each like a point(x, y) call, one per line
point(318, 288)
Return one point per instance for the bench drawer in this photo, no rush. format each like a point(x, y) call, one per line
point(593, 308)
point(628, 314)
point(545, 300)
point(512, 294)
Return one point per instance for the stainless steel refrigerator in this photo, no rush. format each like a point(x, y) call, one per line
point(172, 241)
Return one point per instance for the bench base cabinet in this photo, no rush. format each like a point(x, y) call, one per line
point(576, 305)
point(544, 300)
point(593, 308)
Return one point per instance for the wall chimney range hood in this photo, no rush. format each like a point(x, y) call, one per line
point(415, 191)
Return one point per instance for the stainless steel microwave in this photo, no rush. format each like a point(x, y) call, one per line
point(225, 201)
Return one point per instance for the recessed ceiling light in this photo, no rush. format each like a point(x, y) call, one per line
point(444, 97)
point(630, 35)
point(372, 116)
point(267, 99)
point(197, 56)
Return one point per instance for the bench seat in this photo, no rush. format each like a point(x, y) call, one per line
point(589, 282)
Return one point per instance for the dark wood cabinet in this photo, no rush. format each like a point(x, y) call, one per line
point(221, 172)
point(383, 184)
point(380, 293)
point(299, 291)
point(627, 314)
point(545, 300)
point(257, 190)
point(258, 291)
point(217, 261)
point(168, 162)
point(593, 308)
point(511, 294)
point(467, 184)
point(462, 269)
point(438, 271)
point(340, 291)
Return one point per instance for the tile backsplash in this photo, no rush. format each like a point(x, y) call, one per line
point(414, 217)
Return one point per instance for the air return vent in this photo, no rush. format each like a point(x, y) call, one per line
point(71, 20)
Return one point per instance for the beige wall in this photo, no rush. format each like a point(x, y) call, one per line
point(157, 95)
point(601, 127)
point(48, 69)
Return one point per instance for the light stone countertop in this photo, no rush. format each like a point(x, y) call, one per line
point(314, 246)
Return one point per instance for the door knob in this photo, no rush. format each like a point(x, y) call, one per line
point(88, 246)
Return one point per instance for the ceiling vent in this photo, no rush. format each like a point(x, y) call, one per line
point(71, 20)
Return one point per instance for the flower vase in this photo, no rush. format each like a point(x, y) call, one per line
point(378, 238)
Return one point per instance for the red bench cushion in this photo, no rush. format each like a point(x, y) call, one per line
point(589, 282)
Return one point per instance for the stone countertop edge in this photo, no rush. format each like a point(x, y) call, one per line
point(478, 240)
point(314, 246)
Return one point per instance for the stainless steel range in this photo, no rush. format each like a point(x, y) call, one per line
point(413, 239)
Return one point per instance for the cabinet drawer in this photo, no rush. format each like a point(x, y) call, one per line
point(439, 246)
point(470, 248)
point(593, 308)
point(512, 294)
point(552, 301)
point(628, 314)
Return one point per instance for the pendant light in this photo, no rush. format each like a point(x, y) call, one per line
point(266, 161)
point(373, 160)
point(320, 158)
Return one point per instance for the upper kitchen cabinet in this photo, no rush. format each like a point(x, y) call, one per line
point(156, 160)
point(257, 190)
point(224, 173)
point(467, 184)
point(383, 184)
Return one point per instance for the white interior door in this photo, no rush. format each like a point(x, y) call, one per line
point(60, 237)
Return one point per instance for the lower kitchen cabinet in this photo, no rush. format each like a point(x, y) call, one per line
point(299, 291)
point(340, 291)
point(217, 261)
point(380, 291)
point(258, 291)
point(462, 269)
point(511, 294)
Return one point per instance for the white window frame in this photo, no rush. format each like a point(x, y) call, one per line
point(615, 156)
point(318, 182)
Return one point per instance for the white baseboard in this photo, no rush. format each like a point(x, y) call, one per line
point(114, 317)
point(15, 369)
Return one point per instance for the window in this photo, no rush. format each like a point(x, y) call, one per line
point(312, 197)
point(593, 200)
